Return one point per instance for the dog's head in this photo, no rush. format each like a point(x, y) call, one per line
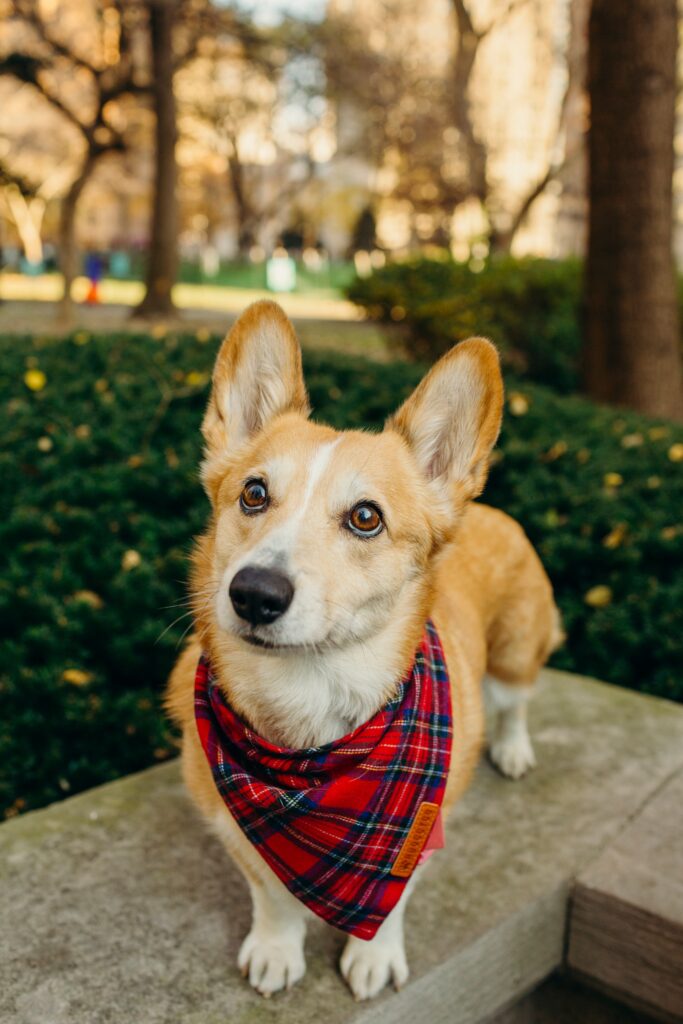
point(318, 537)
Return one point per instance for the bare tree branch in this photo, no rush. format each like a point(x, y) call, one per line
point(502, 16)
point(28, 11)
point(10, 177)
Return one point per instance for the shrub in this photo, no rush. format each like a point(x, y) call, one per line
point(529, 307)
point(101, 498)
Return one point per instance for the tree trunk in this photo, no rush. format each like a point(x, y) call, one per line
point(162, 261)
point(68, 250)
point(632, 355)
point(243, 213)
point(467, 47)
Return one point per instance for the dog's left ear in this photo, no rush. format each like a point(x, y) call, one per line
point(452, 419)
point(257, 376)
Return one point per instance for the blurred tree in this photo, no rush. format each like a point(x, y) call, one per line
point(162, 256)
point(632, 353)
point(364, 232)
point(235, 102)
point(24, 209)
point(423, 115)
point(177, 30)
point(83, 69)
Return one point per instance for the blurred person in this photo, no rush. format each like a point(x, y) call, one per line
point(93, 271)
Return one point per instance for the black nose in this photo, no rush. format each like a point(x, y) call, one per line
point(260, 595)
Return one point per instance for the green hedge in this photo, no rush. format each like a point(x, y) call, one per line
point(529, 307)
point(101, 498)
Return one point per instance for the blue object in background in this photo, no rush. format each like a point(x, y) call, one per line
point(93, 266)
point(119, 264)
point(30, 268)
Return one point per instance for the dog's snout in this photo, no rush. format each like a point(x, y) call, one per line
point(260, 596)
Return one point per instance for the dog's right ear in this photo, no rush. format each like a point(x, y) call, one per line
point(257, 376)
point(452, 419)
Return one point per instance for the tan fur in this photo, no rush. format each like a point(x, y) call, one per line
point(468, 566)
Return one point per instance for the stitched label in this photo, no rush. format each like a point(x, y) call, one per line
point(415, 840)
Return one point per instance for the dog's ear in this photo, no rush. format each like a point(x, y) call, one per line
point(452, 419)
point(257, 376)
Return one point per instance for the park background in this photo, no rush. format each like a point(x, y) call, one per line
point(403, 176)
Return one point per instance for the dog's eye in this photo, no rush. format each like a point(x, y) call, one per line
point(254, 496)
point(365, 520)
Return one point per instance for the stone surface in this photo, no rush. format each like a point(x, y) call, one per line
point(117, 906)
point(626, 931)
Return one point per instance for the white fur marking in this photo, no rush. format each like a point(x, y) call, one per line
point(283, 539)
point(272, 954)
point(367, 966)
point(318, 466)
point(510, 749)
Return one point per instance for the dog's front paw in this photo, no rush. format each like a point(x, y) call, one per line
point(513, 755)
point(369, 966)
point(270, 962)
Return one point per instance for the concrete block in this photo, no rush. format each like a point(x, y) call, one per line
point(117, 907)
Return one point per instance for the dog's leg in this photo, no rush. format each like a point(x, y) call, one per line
point(368, 966)
point(510, 748)
point(272, 955)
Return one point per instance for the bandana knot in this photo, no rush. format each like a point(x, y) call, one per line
point(342, 825)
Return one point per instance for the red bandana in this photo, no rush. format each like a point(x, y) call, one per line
point(342, 825)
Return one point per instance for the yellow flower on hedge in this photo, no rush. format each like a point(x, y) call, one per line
point(81, 338)
point(653, 482)
point(172, 460)
point(135, 461)
point(45, 444)
point(555, 451)
point(159, 331)
point(518, 404)
point(613, 480)
point(676, 452)
point(615, 537)
point(196, 379)
point(131, 560)
point(101, 385)
point(203, 334)
point(657, 433)
point(89, 597)
point(598, 597)
point(632, 440)
point(82, 431)
point(670, 532)
point(35, 380)
point(76, 676)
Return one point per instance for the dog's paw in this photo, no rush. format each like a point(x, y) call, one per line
point(271, 963)
point(368, 966)
point(513, 755)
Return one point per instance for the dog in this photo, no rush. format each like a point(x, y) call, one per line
point(326, 553)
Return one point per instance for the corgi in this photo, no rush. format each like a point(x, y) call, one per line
point(325, 555)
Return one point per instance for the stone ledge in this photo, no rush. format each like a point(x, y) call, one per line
point(626, 932)
point(119, 908)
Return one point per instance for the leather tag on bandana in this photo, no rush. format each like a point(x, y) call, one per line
point(415, 840)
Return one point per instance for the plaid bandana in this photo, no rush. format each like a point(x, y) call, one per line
point(342, 825)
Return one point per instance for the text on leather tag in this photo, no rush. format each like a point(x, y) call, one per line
point(412, 845)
